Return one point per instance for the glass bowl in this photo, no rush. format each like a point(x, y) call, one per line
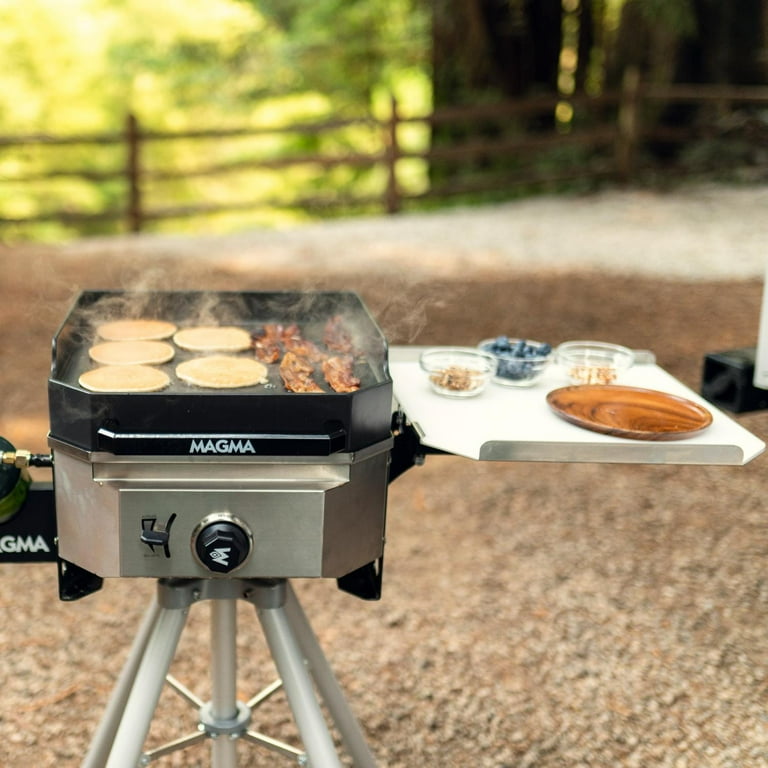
point(457, 371)
point(593, 362)
point(521, 362)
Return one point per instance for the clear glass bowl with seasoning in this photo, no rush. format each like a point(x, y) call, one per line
point(593, 362)
point(457, 371)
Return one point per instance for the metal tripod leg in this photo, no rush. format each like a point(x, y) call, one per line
point(223, 705)
point(286, 653)
point(147, 686)
point(297, 655)
point(300, 661)
point(101, 744)
point(223, 719)
point(330, 690)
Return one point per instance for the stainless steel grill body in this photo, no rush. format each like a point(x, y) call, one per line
point(191, 482)
point(305, 516)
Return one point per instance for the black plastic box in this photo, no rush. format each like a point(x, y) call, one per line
point(727, 381)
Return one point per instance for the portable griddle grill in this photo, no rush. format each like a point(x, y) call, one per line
point(222, 495)
point(295, 482)
point(226, 496)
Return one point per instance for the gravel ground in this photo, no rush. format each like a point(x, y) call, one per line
point(534, 615)
point(700, 232)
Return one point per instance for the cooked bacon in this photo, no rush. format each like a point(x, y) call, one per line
point(289, 333)
point(294, 342)
point(299, 356)
point(296, 373)
point(306, 349)
point(266, 344)
point(338, 373)
point(336, 335)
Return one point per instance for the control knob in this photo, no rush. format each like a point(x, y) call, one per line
point(222, 542)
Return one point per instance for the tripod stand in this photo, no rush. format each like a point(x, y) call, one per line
point(120, 737)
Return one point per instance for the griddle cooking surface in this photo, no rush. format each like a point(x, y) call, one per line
point(79, 361)
point(77, 414)
point(248, 311)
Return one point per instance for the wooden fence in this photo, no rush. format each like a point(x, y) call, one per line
point(605, 135)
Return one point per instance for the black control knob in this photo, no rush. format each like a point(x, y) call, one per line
point(222, 543)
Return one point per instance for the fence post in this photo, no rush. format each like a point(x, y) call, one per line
point(133, 173)
point(391, 154)
point(628, 124)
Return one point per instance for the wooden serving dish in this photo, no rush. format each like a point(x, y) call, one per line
point(632, 412)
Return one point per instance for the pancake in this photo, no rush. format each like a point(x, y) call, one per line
point(213, 338)
point(135, 330)
point(132, 352)
point(124, 378)
point(222, 372)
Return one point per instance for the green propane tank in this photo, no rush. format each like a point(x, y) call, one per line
point(14, 484)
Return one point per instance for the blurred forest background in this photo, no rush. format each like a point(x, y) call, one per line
point(212, 115)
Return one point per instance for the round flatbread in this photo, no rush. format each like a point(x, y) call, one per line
point(132, 353)
point(222, 372)
point(213, 338)
point(124, 378)
point(136, 330)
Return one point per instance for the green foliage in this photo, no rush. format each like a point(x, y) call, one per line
point(74, 64)
point(349, 47)
point(79, 66)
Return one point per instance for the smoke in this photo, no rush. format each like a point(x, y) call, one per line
point(406, 312)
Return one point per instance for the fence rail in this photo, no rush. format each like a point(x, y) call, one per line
point(608, 128)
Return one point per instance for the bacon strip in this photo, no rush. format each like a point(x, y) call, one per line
point(338, 373)
point(337, 337)
point(266, 344)
point(294, 342)
point(296, 373)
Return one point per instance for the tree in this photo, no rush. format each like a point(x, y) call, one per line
point(486, 51)
point(491, 49)
point(728, 46)
point(691, 41)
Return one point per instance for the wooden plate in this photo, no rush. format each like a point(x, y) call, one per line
point(641, 414)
